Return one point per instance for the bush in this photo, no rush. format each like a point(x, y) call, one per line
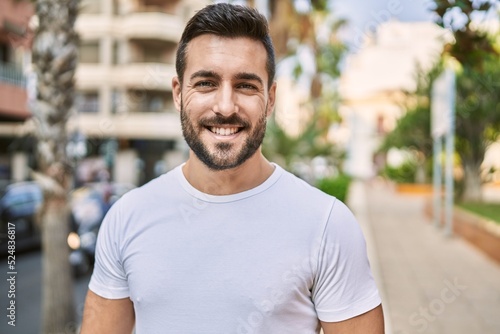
point(335, 186)
point(402, 174)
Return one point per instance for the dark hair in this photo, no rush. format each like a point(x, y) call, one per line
point(226, 20)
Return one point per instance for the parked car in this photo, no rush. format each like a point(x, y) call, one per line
point(89, 205)
point(19, 207)
point(20, 203)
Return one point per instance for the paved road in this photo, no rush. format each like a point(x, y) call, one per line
point(28, 294)
point(429, 283)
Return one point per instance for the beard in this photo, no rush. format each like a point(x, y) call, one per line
point(223, 155)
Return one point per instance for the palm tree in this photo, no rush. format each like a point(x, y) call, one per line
point(291, 29)
point(55, 50)
point(477, 116)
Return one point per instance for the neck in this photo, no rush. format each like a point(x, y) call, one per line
point(250, 174)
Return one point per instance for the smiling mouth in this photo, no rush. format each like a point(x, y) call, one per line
point(224, 131)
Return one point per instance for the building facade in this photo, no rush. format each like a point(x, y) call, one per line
point(124, 119)
point(124, 95)
point(15, 58)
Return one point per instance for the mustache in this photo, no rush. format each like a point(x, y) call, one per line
point(218, 119)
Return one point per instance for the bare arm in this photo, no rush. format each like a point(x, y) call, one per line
point(371, 322)
point(109, 316)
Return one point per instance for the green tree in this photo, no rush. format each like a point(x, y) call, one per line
point(310, 143)
point(292, 29)
point(477, 121)
point(55, 50)
point(412, 133)
point(477, 107)
point(413, 129)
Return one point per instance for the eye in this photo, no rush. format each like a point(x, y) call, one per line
point(247, 86)
point(204, 84)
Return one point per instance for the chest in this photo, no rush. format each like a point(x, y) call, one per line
point(218, 269)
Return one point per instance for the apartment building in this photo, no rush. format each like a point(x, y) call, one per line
point(15, 57)
point(124, 106)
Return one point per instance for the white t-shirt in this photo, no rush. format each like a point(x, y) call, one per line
point(272, 259)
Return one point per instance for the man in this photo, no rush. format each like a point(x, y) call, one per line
point(229, 242)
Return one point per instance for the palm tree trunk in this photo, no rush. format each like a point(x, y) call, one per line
point(55, 53)
point(58, 311)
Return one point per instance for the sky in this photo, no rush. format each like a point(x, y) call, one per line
point(362, 12)
point(365, 15)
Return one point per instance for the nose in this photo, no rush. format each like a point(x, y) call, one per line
point(226, 101)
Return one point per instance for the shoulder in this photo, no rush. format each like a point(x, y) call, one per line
point(300, 202)
point(147, 198)
point(163, 185)
point(301, 195)
point(294, 187)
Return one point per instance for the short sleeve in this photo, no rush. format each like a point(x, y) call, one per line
point(109, 279)
point(344, 286)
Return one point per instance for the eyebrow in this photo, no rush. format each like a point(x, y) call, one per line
point(249, 76)
point(205, 74)
point(238, 76)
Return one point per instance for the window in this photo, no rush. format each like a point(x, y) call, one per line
point(153, 55)
point(90, 7)
point(88, 52)
point(87, 102)
point(116, 51)
point(158, 6)
point(116, 7)
point(118, 103)
point(4, 53)
point(150, 101)
point(154, 51)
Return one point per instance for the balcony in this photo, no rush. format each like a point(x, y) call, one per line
point(154, 76)
point(13, 95)
point(13, 102)
point(163, 126)
point(94, 26)
point(152, 25)
point(10, 74)
point(91, 76)
point(151, 20)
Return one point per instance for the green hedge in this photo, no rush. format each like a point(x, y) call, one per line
point(402, 174)
point(335, 186)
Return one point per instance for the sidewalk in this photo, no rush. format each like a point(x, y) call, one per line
point(429, 283)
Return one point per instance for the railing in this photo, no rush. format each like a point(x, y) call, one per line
point(12, 75)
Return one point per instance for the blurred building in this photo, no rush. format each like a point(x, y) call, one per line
point(374, 83)
point(124, 100)
point(15, 58)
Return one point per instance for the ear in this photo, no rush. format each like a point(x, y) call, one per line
point(271, 99)
point(177, 93)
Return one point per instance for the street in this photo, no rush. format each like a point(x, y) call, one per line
point(28, 282)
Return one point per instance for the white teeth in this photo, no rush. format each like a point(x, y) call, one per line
point(223, 131)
